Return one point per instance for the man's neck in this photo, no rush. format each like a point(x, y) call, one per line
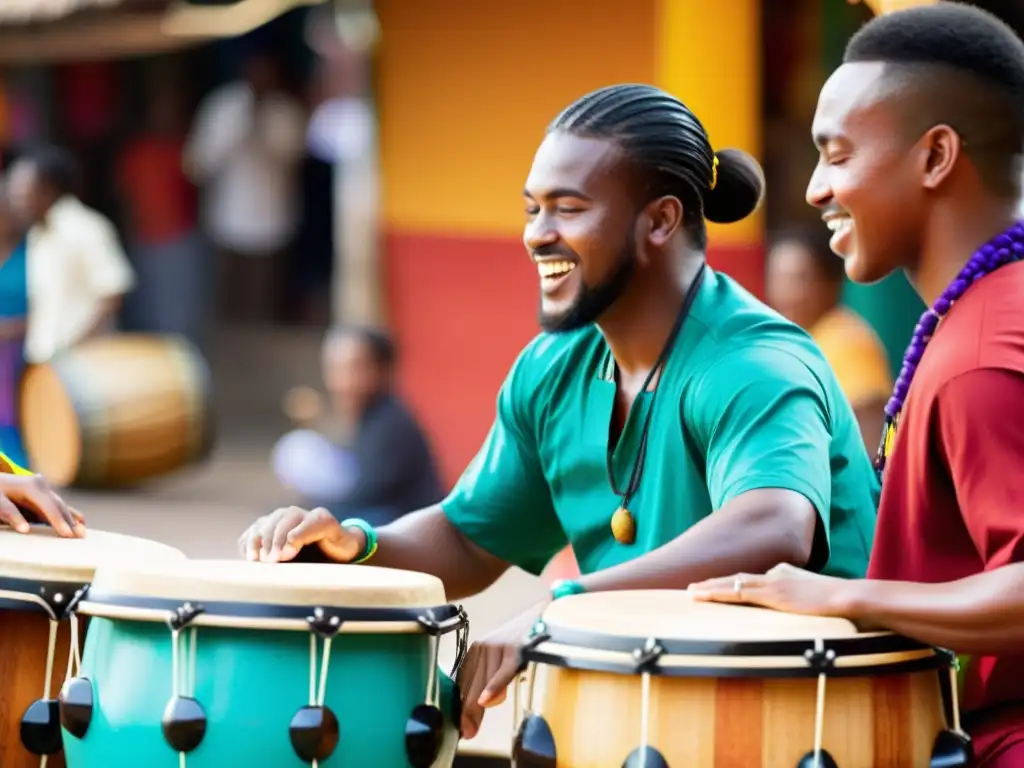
point(639, 324)
point(952, 241)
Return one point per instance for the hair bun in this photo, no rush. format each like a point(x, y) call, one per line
point(739, 189)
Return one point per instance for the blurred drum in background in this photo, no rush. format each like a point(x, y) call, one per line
point(118, 410)
point(41, 576)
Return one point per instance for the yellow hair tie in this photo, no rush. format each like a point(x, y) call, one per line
point(714, 172)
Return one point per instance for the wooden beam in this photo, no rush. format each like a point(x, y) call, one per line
point(123, 33)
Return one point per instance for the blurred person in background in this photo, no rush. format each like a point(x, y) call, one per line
point(245, 151)
point(76, 270)
point(367, 456)
point(13, 316)
point(804, 282)
point(160, 213)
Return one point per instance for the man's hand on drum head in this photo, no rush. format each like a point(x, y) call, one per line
point(490, 666)
point(278, 537)
point(34, 494)
point(783, 588)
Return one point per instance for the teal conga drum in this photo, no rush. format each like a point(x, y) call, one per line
point(212, 664)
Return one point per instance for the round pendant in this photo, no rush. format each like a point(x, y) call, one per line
point(623, 526)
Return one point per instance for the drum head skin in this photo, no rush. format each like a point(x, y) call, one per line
point(670, 633)
point(43, 555)
point(675, 615)
point(293, 584)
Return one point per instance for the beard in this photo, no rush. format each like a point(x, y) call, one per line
point(592, 301)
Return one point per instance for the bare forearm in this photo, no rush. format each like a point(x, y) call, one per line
point(427, 542)
point(747, 537)
point(979, 614)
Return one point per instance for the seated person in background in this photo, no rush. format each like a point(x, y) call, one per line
point(367, 457)
point(805, 283)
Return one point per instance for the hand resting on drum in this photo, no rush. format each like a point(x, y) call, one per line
point(424, 541)
point(979, 614)
point(279, 536)
point(32, 495)
point(783, 588)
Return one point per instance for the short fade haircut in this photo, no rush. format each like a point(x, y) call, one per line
point(967, 69)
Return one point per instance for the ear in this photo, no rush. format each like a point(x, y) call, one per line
point(662, 217)
point(943, 147)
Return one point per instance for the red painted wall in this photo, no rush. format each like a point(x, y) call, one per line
point(462, 307)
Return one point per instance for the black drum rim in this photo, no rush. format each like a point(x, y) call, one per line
point(567, 647)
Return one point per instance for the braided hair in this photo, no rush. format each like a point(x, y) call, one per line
point(668, 143)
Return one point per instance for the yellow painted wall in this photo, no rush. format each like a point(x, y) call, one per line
point(466, 89)
point(708, 54)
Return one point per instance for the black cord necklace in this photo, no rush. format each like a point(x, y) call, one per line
point(623, 522)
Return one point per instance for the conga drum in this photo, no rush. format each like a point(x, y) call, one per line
point(117, 410)
point(41, 576)
point(252, 664)
point(654, 679)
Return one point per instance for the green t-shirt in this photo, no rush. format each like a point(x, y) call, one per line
point(746, 401)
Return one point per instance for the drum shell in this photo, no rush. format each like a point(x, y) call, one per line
point(118, 410)
point(32, 565)
point(723, 722)
point(251, 683)
point(24, 636)
point(728, 685)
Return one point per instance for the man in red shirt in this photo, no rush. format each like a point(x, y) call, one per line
point(921, 132)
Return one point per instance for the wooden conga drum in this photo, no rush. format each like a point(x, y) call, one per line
point(654, 679)
point(40, 576)
point(117, 410)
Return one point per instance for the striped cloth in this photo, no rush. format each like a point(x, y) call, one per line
point(9, 467)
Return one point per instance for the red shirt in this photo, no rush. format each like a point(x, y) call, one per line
point(953, 491)
point(161, 200)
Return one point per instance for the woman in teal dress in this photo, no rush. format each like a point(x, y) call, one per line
point(13, 318)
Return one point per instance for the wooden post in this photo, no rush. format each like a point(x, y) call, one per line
point(346, 38)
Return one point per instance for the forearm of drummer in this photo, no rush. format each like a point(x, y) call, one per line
point(982, 614)
point(750, 533)
point(426, 541)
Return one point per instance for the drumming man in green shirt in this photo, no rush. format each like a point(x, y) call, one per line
point(666, 424)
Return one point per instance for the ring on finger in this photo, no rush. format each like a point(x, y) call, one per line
point(737, 586)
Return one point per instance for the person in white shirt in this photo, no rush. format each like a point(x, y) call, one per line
point(77, 271)
point(245, 150)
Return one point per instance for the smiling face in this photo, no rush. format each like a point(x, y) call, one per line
point(868, 181)
point(580, 228)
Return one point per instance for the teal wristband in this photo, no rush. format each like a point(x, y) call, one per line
point(371, 537)
point(565, 588)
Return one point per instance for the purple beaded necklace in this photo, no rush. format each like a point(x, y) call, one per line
point(1004, 248)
